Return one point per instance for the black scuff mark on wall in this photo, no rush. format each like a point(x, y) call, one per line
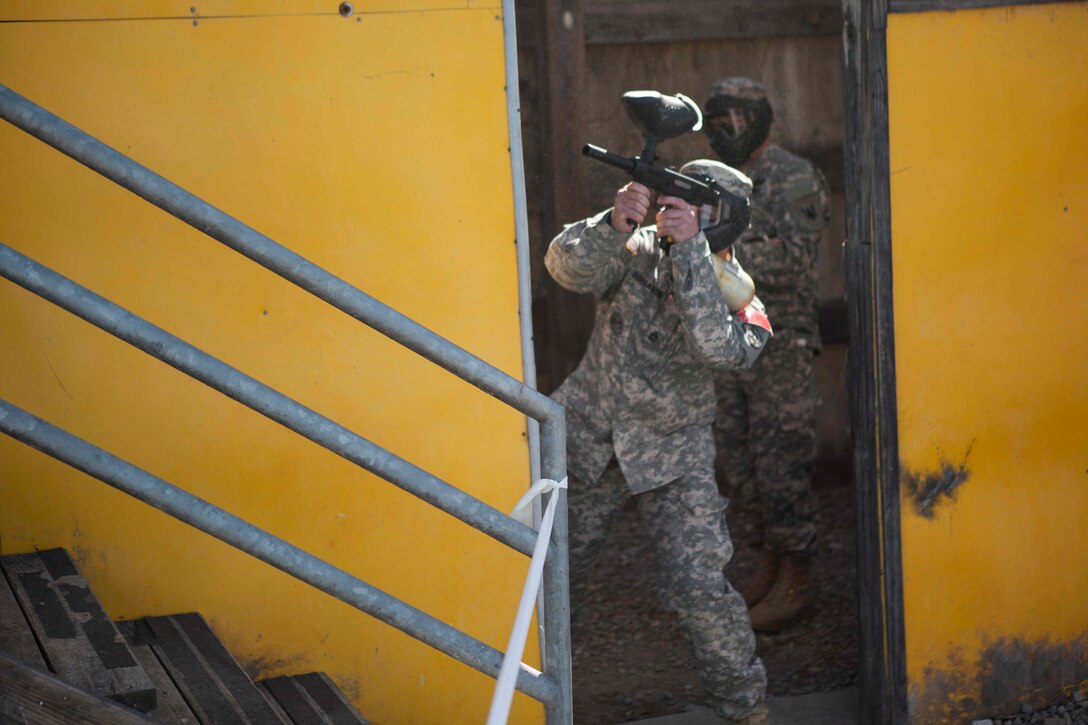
point(927, 490)
point(1043, 673)
point(944, 694)
point(1009, 673)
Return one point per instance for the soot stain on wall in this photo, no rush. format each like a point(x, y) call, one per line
point(1008, 673)
point(927, 490)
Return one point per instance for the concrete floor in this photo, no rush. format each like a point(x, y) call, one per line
point(822, 708)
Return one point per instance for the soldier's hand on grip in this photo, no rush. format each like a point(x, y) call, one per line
point(630, 207)
point(677, 220)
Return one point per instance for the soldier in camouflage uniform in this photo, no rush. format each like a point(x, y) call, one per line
point(765, 429)
point(639, 411)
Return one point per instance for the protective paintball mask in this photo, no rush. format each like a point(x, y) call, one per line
point(736, 127)
point(724, 222)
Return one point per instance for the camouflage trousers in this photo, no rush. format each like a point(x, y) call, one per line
point(765, 432)
point(686, 520)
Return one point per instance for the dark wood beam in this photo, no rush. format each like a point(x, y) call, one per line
point(613, 22)
point(564, 104)
point(871, 365)
point(558, 190)
point(671, 21)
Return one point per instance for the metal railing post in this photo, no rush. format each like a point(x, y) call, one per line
point(557, 642)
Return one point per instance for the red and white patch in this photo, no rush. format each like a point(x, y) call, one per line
point(752, 315)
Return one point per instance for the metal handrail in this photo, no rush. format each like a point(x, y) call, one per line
point(270, 549)
point(138, 332)
point(219, 225)
point(182, 204)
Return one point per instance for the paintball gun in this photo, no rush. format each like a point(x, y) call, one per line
point(659, 117)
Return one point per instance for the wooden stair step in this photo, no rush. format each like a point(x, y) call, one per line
point(312, 699)
point(209, 679)
point(170, 708)
point(31, 695)
point(81, 645)
point(16, 636)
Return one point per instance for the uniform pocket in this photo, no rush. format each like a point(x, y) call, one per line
point(706, 504)
point(704, 500)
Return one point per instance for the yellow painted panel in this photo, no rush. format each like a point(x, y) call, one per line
point(989, 195)
point(97, 10)
point(377, 149)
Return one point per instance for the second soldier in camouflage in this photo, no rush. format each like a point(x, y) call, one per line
point(766, 423)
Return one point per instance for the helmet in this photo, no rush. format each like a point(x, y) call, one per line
point(738, 119)
point(722, 225)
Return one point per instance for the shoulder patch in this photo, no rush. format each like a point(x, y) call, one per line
point(752, 338)
point(807, 207)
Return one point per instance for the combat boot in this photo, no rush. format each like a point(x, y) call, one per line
point(759, 584)
point(788, 597)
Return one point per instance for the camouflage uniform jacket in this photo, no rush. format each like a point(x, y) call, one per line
point(790, 208)
point(644, 390)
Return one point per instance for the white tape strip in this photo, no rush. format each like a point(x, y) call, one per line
point(511, 661)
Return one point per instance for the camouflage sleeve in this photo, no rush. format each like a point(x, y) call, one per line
point(781, 252)
point(714, 337)
point(588, 256)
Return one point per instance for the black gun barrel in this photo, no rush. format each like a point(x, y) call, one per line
point(620, 162)
point(662, 180)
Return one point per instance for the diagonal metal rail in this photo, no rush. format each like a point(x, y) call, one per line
point(270, 549)
point(100, 312)
point(218, 225)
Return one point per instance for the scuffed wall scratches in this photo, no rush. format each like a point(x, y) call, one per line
point(926, 490)
point(1012, 672)
point(1008, 673)
point(946, 694)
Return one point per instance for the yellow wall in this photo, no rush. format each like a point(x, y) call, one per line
point(375, 145)
point(989, 195)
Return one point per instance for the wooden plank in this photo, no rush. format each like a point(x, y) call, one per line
point(313, 699)
point(207, 676)
point(887, 409)
point(331, 700)
point(671, 21)
point(613, 22)
point(272, 702)
point(861, 394)
point(300, 708)
point(872, 367)
point(170, 706)
point(555, 99)
point(29, 695)
point(16, 636)
point(921, 6)
point(81, 644)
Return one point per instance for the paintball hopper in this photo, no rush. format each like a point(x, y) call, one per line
point(660, 117)
point(736, 286)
